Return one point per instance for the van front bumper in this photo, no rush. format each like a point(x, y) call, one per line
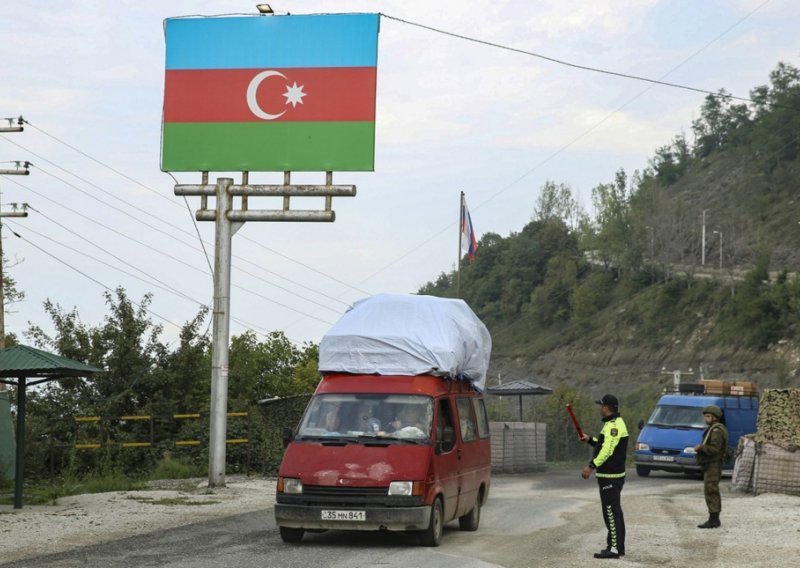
point(376, 518)
point(687, 464)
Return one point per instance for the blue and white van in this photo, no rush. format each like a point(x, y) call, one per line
point(666, 442)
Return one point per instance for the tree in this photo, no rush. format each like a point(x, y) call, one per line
point(614, 227)
point(274, 367)
point(556, 202)
point(721, 122)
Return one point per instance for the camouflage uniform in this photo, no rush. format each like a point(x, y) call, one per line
point(709, 456)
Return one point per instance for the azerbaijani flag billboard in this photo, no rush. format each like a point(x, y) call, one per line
point(270, 93)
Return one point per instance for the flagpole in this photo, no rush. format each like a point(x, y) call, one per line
point(460, 233)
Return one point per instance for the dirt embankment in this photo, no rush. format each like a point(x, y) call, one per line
point(627, 368)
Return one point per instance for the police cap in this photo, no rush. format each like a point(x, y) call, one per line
point(609, 400)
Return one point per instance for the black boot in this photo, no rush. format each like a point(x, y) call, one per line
point(711, 523)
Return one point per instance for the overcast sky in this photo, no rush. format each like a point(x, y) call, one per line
point(452, 115)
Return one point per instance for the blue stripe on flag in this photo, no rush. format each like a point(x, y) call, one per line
point(266, 42)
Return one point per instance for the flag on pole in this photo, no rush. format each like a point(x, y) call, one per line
point(469, 244)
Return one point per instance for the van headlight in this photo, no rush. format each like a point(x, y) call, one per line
point(689, 450)
point(405, 488)
point(642, 446)
point(290, 485)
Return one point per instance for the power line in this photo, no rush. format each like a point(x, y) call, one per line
point(54, 257)
point(586, 67)
point(161, 285)
point(575, 140)
point(161, 252)
point(176, 259)
point(252, 241)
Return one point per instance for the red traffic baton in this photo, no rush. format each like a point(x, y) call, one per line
point(575, 422)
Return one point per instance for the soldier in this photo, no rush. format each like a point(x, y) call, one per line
point(608, 463)
point(710, 455)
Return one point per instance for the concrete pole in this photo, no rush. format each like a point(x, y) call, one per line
point(220, 335)
point(703, 248)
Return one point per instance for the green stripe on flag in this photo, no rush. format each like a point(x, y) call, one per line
point(267, 147)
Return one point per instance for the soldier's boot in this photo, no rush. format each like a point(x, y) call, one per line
point(711, 523)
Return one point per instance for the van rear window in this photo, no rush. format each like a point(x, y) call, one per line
point(677, 416)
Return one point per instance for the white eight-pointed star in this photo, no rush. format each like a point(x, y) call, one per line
point(294, 94)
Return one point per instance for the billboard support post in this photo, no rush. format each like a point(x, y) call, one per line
point(223, 234)
point(227, 221)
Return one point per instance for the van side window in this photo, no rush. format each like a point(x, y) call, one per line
point(483, 419)
point(445, 420)
point(466, 419)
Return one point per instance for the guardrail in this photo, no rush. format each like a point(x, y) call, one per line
point(151, 420)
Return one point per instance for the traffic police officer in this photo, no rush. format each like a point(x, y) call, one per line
point(710, 455)
point(608, 464)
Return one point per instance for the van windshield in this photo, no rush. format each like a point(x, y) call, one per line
point(387, 416)
point(677, 416)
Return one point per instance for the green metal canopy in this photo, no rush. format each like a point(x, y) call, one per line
point(17, 365)
point(519, 388)
point(23, 360)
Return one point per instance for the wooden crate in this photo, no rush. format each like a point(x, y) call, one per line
point(744, 388)
point(715, 386)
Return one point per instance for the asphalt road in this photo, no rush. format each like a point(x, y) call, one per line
point(530, 520)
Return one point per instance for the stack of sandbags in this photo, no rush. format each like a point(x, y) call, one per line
point(779, 418)
point(768, 461)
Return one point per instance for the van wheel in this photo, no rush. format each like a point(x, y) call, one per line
point(642, 471)
point(289, 534)
point(432, 536)
point(471, 520)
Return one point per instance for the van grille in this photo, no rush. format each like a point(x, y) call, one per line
point(326, 496)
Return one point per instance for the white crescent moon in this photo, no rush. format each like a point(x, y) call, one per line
point(251, 95)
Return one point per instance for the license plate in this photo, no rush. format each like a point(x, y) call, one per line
point(330, 515)
point(663, 458)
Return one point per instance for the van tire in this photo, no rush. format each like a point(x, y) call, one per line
point(642, 471)
point(432, 536)
point(290, 534)
point(471, 520)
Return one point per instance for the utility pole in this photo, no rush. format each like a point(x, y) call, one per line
point(703, 248)
point(227, 221)
point(15, 212)
point(7, 440)
point(12, 127)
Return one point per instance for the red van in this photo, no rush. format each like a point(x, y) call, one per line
point(391, 452)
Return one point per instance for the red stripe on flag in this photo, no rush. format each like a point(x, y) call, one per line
point(342, 94)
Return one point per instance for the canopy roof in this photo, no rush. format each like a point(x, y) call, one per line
point(519, 387)
point(24, 361)
point(17, 365)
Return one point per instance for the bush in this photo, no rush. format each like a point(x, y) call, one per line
point(169, 468)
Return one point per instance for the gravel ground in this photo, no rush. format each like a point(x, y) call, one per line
point(761, 531)
point(82, 520)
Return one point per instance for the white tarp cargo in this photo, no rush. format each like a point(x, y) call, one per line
point(405, 334)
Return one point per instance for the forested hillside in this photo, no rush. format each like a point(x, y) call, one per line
point(610, 297)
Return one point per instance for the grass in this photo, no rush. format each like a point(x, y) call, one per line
point(49, 494)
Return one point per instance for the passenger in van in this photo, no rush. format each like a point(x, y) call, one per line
point(710, 454)
point(411, 415)
point(331, 421)
point(366, 421)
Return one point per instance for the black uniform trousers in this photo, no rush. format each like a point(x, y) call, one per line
point(610, 490)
